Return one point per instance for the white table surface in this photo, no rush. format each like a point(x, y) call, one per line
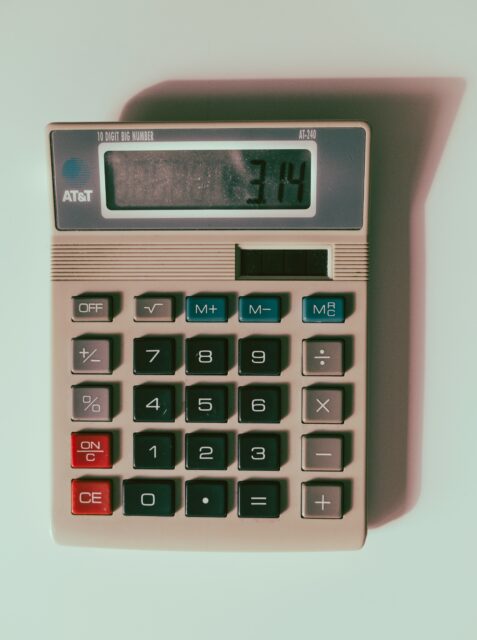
point(410, 68)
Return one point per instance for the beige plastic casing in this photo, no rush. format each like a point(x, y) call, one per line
point(131, 263)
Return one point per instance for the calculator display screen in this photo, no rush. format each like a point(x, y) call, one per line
point(200, 179)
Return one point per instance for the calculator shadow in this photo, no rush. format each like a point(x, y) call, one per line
point(410, 121)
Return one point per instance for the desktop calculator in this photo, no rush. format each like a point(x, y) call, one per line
point(209, 335)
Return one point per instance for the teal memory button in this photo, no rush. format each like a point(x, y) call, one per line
point(206, 309)
point(323, 309)
point(259, 309)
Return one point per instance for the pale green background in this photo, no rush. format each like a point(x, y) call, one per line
point(81, 61)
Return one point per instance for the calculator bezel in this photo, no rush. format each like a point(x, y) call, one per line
point(341, 145)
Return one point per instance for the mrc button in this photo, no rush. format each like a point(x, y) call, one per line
point(91, 498)
point(323, 309)
point(92, 309)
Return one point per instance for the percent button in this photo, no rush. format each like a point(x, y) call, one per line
point(92, 404)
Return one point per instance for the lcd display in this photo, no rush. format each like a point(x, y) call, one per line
point(208, 179)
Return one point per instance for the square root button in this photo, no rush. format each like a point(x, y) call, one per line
point(322, 406)
point(154, 309)
point(321, 501)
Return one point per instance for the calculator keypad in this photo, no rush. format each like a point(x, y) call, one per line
point(212, 448)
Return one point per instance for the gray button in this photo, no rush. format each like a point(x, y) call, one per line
point(154, 309)
point(321, 501)
point(323, 358)
point(322, 453)
point(92, 403)
point(91, 356)
point(92, 309)
point(322, 406)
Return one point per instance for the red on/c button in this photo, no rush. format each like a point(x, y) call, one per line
point(91, 498)
point(90, 450)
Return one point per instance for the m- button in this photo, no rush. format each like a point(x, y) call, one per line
point(259, 309)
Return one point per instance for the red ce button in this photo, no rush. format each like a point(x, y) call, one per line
point(91, 497)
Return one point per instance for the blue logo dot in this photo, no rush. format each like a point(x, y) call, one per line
point(76, 171)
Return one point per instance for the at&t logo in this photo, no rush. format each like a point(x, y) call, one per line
point(77, 195)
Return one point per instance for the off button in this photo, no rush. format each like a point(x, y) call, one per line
point(92, 309)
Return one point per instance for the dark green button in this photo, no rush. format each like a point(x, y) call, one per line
point(259, 451)
point(154, 403)
point(206, 403)
point(259, 499)
point(206, 451)
point(154, 450)
point(260, 404)
point(206, 498)
point(154, 356)
point(148, 497)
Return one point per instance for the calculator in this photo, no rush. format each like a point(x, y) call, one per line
point(209, 334)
